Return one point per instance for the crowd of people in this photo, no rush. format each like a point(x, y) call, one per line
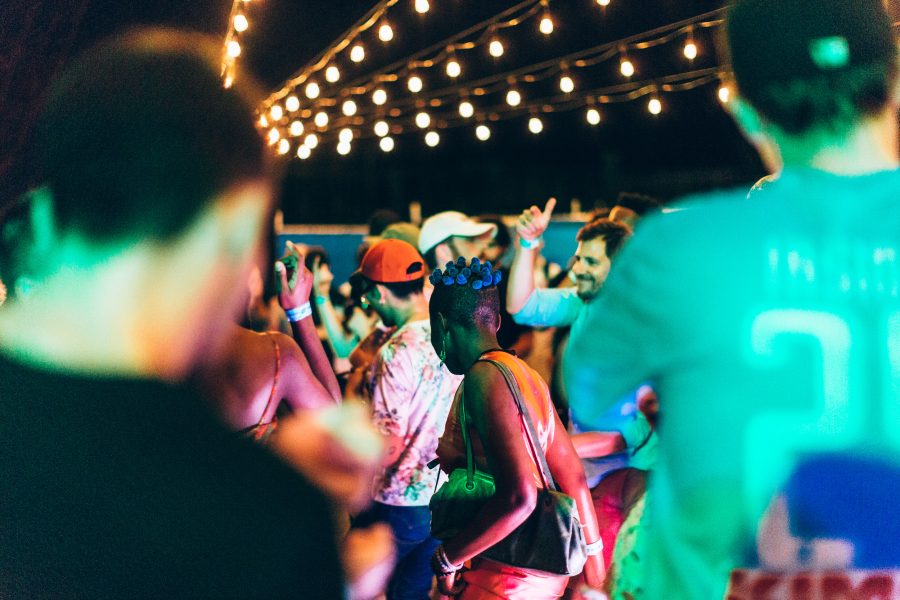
point(700, 404)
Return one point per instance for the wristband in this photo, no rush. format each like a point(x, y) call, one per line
point(531, 244)
point(298, 313)
point(320, 300)
point(594, 548)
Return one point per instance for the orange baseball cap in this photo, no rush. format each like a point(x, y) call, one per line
point(392, 261)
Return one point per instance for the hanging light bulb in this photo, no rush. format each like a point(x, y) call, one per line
point(321, 119)
point(453, 68)
point(546, 24)
point(385, 32)
point(381, 128)
point(263, 121)
point(379, 97)
point(345, 135)
point(690, 49)
point(724, 94)
point(332, 74)
point(593, 116)
point(535, 125)
point(229, 81)
point(603, 2)
point(513, 97)
point(483, 132)
point(423, 120)
point(422, 6)
point(234, 49)
point(654, 106)
point(292, 103)
point(348, 108)
point(386, 143)
point(566, 84)
point(432, 138)
point(240, 23)
point(626, 67)
point(274, 135)
point(276, 112)
point(303, 152)
point(312, 90)
point(311, 140)
point(414, 84)
point(284, 147)
point(495, 48)
point(296, 129)
point(357, 53)
point(343, 148)
point(466, 110)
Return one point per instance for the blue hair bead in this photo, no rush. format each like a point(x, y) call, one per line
point(461, 279)
point(477, 284)
point(447, 280)
point(460, 262)
point(486, 279)
point(476, 263)
point(497, 277)
point(467, 272)
point(449, 264)
point(488, 264)
point(452, 272)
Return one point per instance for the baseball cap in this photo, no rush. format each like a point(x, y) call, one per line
point(450, 223)
point(407, 232)
point(776, 41)
point(391, 261)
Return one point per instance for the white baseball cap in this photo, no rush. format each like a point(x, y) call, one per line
point(450, 223)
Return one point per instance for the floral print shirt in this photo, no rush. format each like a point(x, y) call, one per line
point(411, 395)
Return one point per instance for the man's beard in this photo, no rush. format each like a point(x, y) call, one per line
point(589, 293)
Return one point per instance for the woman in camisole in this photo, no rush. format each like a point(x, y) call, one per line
point(464, 322)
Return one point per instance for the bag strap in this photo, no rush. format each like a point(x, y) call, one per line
point(531, 434)
point(467, 440)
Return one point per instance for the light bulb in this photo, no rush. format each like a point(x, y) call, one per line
point(593, 116)
point(546, 25)
point(263, 121)
point(303, 152)
point(654, 106)
point(453, 68)
point(535, 125)
point(483, 132)
point(241, 23)
point(311, 140)
point(690, 50)
point(513, 98)
point(385, 33)
point(229, 81)
point(566, 84)
point(379, 97)
point(414, 84)
point(284, 147)
point(343, 148)
point(466, 110)
point(626, 67)
point(724, 94)
point(234, 49)
point(332, 74)
point(495, 48)
point(276, 112)
point(296, 129)
point(603, 2)
point(321, 119)
point(422, 6)
point(312, 90)
point(348, 108)
point(357, 53)
point(274, 135)
point(423, 120)
point(292, 103)
point(345, 135)
point(381, 128)
point(386, 143)
point(432, 138)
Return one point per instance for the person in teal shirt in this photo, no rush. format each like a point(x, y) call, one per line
point(769, 326)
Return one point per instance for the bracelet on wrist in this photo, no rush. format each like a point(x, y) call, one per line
point(446, 567)
point(320, 300)
point(298, 313)
point(531, 244)
point(594, 548)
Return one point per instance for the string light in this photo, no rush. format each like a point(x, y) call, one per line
point(296, 129)
point(483, 132)
point(345, 135)
point(546, 24)
point(654, 106)
point(263, 121)
point(234, 49)
point(414, 84)
point(276, 112)
point(423, 120)
point(381, 128)
point(303, 152)
point(422, 6)
point(292, 103)
point(274, 135)
point(495, 48)
point(311, 140)
point(690, 48)
point(240, 23)
point(284, 147)
point(566, 84)
point(386, 143)
point(321, 119)
point(603, 3)
point(348, 108)
point(312, 90)
point(432, 138)
point(724, 94)
point(332, 74)
point(229, 81)
point(626, 67)
point(385, 32)
point(343, 148)
point(593, 116)
point(535, 125)
point(453, 68)
point(513, 97)
point(466, 110)
point(357, 53)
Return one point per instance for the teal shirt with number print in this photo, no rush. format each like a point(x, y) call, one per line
point(770, 328)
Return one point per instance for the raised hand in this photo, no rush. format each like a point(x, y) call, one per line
point(322, 277)
point(293, 279)
point(533, 222)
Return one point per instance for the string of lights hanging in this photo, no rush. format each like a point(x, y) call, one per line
point(238, 23)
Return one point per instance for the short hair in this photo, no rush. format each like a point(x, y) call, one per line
point(613, 233)
point(639, 203)
point(404, 289)
point(139, 135)
point(465, 306)
point(381, 219)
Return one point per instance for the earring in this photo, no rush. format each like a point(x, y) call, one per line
point(443, 353)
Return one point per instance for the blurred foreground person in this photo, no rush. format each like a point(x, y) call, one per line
point(464, 321)
point(769, 328)
point(116, 480)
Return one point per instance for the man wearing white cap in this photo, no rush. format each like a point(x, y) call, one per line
point(450, 234)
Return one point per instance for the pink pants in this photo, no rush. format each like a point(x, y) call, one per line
point(488, 579)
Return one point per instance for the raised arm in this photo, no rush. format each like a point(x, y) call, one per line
point(530, 227)
point(342, 342)
point(295, 283)
point(301, 389)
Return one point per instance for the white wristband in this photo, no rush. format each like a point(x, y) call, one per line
point(594, 547)
point(531, 244)
point(299, 313)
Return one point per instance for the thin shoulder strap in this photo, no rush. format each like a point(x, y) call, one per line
point(467, 440)
point(265, 411)
point(531, 434)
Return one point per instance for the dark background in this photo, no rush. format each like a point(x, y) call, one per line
point(691, 146)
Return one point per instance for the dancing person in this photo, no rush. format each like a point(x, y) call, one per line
point(449, 234)
point(464, 322)
point(769, 326)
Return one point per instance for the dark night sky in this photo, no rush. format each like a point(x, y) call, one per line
point(691, 146)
